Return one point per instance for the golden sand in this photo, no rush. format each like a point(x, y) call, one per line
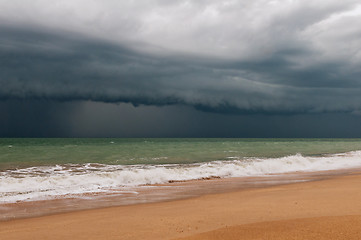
point(327, 209)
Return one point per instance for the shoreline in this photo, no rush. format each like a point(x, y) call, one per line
point(176, 190)
point(334, 200)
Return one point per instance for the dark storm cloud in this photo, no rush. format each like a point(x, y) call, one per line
point(275, 57)
point(40, 118)
point(42, 65)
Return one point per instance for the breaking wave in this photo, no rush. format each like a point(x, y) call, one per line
point(46, 182)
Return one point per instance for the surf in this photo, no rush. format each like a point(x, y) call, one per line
point(69, 180)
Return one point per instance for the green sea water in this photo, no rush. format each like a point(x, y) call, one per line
point(27, 152)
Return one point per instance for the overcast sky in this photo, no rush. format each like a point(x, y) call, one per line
point(179, 68)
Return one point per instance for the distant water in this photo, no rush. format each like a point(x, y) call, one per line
point(34, 169)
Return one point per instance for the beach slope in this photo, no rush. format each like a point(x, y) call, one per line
point(326, 209)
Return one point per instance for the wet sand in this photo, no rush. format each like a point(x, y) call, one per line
point(324, 209)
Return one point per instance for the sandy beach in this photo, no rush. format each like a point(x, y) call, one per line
point(325, 209)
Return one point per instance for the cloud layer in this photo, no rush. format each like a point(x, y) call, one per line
point(226, 56)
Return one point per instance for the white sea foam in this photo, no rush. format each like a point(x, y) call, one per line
point(50, 182)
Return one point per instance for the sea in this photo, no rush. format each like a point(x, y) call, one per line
point(36, 169)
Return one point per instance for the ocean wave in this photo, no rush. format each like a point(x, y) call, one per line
point(45, 182)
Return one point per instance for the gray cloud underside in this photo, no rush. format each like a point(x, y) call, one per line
point(304, 59)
